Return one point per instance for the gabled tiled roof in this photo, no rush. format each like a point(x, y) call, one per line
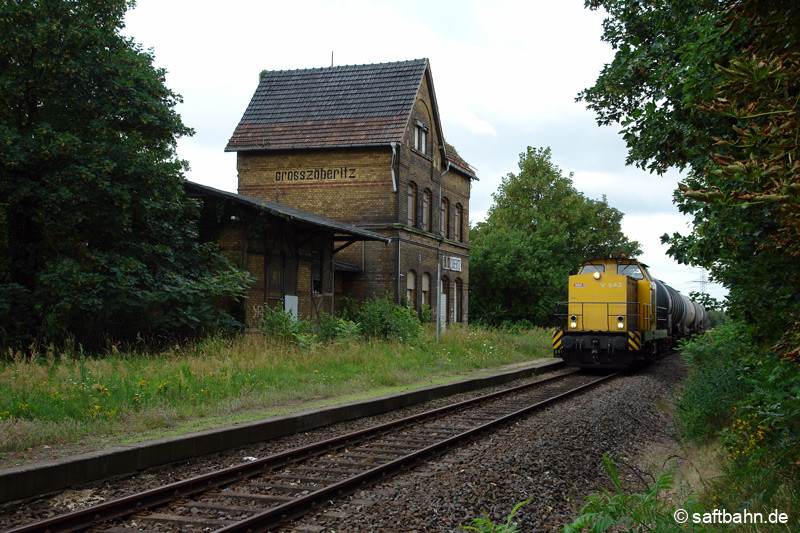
point(356, 105)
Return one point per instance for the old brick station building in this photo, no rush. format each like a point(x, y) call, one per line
point(364, 145)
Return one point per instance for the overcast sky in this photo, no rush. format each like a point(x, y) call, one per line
point(506, 74)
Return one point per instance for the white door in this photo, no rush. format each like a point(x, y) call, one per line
point(443, 311)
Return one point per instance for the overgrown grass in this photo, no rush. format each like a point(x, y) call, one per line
point(57, 397)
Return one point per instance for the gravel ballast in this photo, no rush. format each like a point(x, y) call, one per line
point(553, 458)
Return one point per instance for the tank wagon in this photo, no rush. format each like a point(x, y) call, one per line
point(619, 316)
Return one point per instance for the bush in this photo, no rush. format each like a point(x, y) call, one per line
point(425, 314)
point(383, 319)
point(280, 324)
point(378, 318)
point(15, 319)
point(713, 387)
point(516, 327)
point(763, 437)
point(333, 328)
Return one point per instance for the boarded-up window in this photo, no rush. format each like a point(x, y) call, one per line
point(426, 289)
point(412, 203)
point(444, 216)
point(275, 282)
point(444, 299)
point(457, 215)
point(426, 210)
point(411, 286)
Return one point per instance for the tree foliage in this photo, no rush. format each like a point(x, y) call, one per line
point(664, 64)
point(96, 238)
point(537, 232)
point(714, 86)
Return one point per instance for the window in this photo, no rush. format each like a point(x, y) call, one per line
point(588, 269)
point(457, 301)
point(316, 272)
point(426, 210)
point(444, 218)
point(426, 289)
point(411, 284)
point(274, 279)
point(421, 138)
point(632, 271)
point(457, 215)
point(412, 203)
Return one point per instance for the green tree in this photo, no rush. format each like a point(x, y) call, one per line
point(537, 232)
point(712, 86)
point(97, 241)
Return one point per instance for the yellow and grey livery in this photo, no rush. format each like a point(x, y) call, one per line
point(618, 315)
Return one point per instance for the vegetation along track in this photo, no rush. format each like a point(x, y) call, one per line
point(260, 494)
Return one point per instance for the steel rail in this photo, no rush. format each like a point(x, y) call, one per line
point(121, 507)
point(261, 523)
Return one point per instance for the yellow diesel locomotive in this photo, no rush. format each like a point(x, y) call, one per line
point(618, 316)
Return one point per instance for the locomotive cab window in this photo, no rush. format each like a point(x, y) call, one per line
point(588, 269)
point(632, 271)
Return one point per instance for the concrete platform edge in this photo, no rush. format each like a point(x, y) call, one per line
point(41, 478)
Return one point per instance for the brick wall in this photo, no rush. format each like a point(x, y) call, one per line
point(327, 182)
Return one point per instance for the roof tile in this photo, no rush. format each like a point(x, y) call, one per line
point(335, 106)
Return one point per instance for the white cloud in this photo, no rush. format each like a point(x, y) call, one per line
point(648, 229)
point(473, 123)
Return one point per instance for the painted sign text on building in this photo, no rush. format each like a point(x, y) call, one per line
point(337, 173)
point(451, 263)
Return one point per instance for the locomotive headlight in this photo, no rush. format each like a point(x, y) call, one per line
point(597, 275)
point(573, 321)
point(620, 322)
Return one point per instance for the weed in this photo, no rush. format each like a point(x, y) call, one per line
point(620, 510)
point(485, 525)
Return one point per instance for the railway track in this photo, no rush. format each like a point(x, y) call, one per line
point(261, 494)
